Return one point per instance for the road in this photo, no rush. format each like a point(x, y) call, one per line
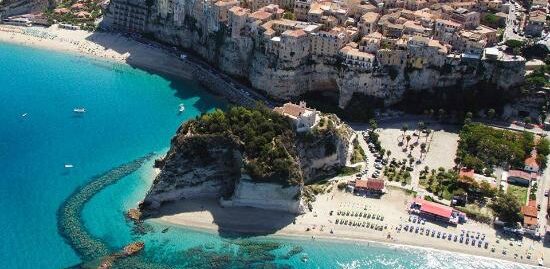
point(510, 26)
point(239, 89)
point(543, 184)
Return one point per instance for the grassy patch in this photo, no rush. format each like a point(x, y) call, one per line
point(348, 171)
point(358, 152)
point(519, 192)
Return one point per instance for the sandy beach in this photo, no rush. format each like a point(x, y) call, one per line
point(99, 45)
point(206, 214)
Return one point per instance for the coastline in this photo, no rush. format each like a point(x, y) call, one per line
point(345, 240)
point(117, 48)
point(205, 215)
point(111, 47)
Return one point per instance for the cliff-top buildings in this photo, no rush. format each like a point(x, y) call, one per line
point(292, 40)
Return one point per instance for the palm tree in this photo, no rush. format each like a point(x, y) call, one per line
point(408, 138)
point(421, 127)
point(422, 149)
point(373, 124)
point(411, 147)
point(388, 153)
point(404, 129)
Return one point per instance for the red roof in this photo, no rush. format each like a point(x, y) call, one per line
point(434, 208)
point(370, 184)
point(529, 211)
point(375, 184)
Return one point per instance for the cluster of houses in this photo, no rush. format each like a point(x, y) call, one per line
point(525, 177)
point(365, 34)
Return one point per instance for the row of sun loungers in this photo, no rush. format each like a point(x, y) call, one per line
point(366, 224)
point(465, 237)
point(358, 214)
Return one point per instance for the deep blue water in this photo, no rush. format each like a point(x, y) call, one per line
point(129, 113)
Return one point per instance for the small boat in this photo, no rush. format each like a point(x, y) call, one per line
point(79, 110)
point(24, 114)
point(182, 108)
point(68, 165)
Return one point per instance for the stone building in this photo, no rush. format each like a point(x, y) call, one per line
point(304, 118)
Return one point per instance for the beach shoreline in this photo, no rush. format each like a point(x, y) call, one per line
point(339, 239)
point(206, 215)
point(110, 47)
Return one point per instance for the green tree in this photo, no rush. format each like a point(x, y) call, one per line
point(507, 208)
point(373, 125)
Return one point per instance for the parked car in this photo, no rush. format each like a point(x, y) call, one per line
point(546, 193)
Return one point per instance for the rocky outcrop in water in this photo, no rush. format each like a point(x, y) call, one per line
point(213, 157)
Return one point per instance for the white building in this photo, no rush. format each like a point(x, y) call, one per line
point(303, 117)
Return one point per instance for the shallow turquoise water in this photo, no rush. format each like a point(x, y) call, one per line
point(130, 113)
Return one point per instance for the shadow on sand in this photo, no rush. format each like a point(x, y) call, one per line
point(158, 62)
point(231, 222)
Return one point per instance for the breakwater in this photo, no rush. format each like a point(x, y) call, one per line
point(71, 226)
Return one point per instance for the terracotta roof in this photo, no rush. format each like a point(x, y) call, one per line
point(294, 33)
point(260, 15)
point(529, 211)
point(375, 184)
point(291, 109)
point(370, 184)
point(530, 221)
point(361, 184)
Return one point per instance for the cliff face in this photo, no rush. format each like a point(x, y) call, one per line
point(217, 166)
point(325, 150)
point(245, 56)
point(195, 166)
point(18, 7)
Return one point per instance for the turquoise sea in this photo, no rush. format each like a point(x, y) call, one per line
point(129, 113)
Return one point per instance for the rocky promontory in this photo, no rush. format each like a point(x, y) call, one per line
point(248, 157)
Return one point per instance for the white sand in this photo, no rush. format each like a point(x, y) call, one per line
point(107, 46)
point(207, 214)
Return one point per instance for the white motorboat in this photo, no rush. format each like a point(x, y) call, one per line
point(68, 165)
point(24, 114)
point(182, 108)
point(79, 110)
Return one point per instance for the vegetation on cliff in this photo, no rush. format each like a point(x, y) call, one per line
point(266, 137)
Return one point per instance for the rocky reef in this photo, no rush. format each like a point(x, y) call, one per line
point(248, 157)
